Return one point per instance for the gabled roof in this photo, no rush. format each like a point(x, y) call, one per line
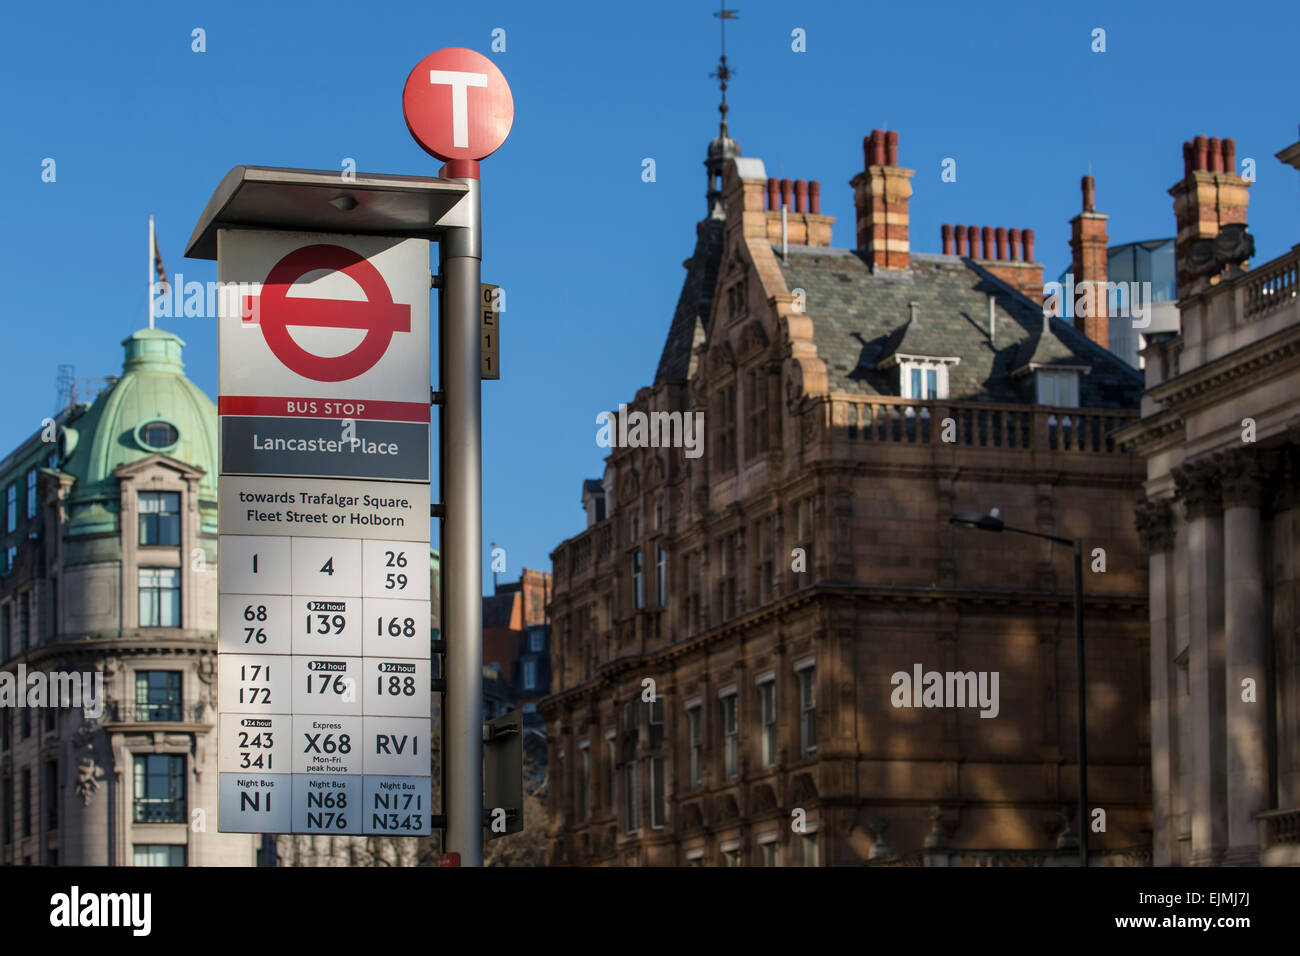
point(858, 317)
point(691, 318)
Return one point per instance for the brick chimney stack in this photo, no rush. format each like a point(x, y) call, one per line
point(1088, 241)
point(881, 193)
point(1209, 196)
point(1007, 253)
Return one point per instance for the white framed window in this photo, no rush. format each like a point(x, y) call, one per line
point(530, 674)
point(160, 597)
point(806, 672)
point(769, 849)
point(31, 492)
point(767, 719)
point(537, 642)
point(730, 736)
point(695, 731)
point(638, 575)
point(611, 767)
point(1057, 387)
point(584, 780)
point(695, 857)
point(923, 380)
point(632, 791)
point(655, 724)
point(811, 856)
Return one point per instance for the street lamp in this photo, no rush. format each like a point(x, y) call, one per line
point(991, 522)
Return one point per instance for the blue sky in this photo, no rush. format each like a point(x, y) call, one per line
point(589, 254)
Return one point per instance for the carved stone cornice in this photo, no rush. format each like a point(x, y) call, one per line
point(1197, 488)
point(1241, 477)
point(1155, 523)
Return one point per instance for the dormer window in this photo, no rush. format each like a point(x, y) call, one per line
point(921, 379)
point(1056, 387)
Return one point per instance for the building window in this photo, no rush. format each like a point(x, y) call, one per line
point(637, 582)
point(807, 711)
point(768, 849)
point(7, 809)
point(11, 553)
point(725, 415)
point(728, 558)
point(695, 857)
point(584, 781)
point(160, 518)
point(756, 408)
point(11, 507)
point(730, 737)
point(661, 576)
point(160, 597)
point(160, 788)
point(767, 714)
point(657, 792)
point(537, 641)
point(530, 675)
point(810, 854)
point(24, 620)
point(31, 492)
point(26, 797)
point(157, 695)
point(923, 380)
point(159, 854)
point(1058, 387)
point(656, 723)
point(695, 731)
point(730, 854)
point(158, 435)
point(611, 770)
point(51, 794)
point(632, 791)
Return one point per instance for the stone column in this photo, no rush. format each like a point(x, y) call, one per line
point(1246, 664)
point(1199, 491)
point(1155, 523)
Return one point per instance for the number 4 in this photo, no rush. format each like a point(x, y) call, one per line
point(328, 567)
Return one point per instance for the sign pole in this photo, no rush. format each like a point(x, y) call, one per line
point(460, 266)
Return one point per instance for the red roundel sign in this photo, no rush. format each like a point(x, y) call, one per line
point(458, 105)
point(379, 317)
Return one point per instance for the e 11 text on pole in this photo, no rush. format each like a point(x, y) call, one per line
point(458, 107)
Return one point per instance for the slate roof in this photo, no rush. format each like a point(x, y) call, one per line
point(498, 609)
point(857, 316)
point(691, 318)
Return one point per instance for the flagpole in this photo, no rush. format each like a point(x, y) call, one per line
point(149, 287)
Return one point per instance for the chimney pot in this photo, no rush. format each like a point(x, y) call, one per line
point(1200, 147)
point(1028, 236)
point(1001, 234)
point(960, 232)
point(773, 203)
point(1215, 155)
point(988, 243)
point(786, 188)
point(877, 148)
point(891, 148)
point(815, 197)
point(973, 234)
point(945, 233)
point(1013, 236)
point(1230, 155)
point(1089, 194)
point(800, 195)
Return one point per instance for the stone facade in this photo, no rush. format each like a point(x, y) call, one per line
point(728, 627)
point(1220, 432)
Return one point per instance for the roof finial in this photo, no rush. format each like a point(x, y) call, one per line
point(723, 73)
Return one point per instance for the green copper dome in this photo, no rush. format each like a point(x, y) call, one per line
point(152, 409)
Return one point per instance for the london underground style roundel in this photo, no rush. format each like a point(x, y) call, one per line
point(458, 105)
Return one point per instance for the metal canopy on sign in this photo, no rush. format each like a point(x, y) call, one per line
point(322, 200)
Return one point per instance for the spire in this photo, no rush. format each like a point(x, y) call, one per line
point(723, 146)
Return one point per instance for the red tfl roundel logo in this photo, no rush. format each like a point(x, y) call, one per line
point(458, 105)
point(379, 317)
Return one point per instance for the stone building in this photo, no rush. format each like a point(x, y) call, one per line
point(110, 536)
point(1220, 432)
point(729, 626)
